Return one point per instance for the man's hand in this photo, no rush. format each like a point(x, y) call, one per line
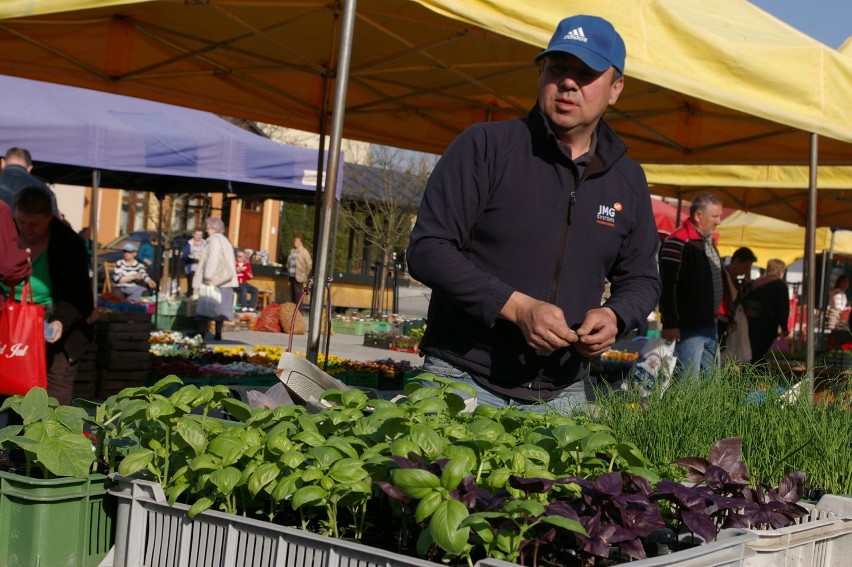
point(598, 331)
point(671, 335)
point(543, 324)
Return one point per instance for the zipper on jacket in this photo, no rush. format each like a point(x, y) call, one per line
point(554, 282)
point(572, 200)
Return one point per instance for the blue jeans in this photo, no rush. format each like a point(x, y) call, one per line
point(696, 351)
point(243, 290)
point(570, 401)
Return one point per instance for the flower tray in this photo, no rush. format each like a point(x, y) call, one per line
point(404, 349)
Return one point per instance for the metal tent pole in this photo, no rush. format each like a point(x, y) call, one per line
point(810, 254)
point(330, 193)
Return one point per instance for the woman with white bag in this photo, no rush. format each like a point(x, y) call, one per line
point(733, 324)
point(215, 278)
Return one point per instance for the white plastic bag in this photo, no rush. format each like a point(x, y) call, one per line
point(209, 302)
point(738, 345)
point(655, 365)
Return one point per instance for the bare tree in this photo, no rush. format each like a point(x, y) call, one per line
point(380, 200)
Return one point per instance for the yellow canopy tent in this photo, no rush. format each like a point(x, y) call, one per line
point(720, 82)
point(772, 238)
point(780, 192)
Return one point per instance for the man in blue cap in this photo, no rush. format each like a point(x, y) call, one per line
point(521, 225)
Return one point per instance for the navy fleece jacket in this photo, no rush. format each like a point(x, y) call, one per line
point(504, 210)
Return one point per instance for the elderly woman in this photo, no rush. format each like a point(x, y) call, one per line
point(60, 282)
point(215, 278)
point(767, 306)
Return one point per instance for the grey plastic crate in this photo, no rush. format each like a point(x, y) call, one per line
point(151, 533)
point(729, 550)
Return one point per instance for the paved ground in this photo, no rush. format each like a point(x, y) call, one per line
point(413, 303)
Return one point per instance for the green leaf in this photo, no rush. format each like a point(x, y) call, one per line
point(630, 453)
point(279, 443)
point(184, 397)
point(343, 446)
point(485, 429)
point(225, 480)
point(67, 455)
point(568, 434)
point(165, 383)
point(265, 473)
point(431, 405)
point(310, 438)
point(70, 417)
point(240, 411)
point(34, 406)
point(226, 446)
point(205, 462)
point(325, 456)
point(135, 461)
point(201, 505)
point(292, 459)
point(424, 540)
point(347, 470)
point(528, 507)
point(287, 486)
point(192, 432)
point(565, 523)
point(414, 483)
point(445, 527)
point(428, 439)
point(453, 473)
point(159, 408)
point(597, 441)
point(403, 446)
point(427, 506)
point(534, 453)
point(307, 495)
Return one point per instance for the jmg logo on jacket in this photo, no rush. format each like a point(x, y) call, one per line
point(606, 214)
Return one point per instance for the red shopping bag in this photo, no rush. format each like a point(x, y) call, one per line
point(23, 363)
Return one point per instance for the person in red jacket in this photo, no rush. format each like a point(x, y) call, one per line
point(244, 289)
point(693, 288)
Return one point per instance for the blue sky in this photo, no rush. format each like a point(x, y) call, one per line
point(828, 21)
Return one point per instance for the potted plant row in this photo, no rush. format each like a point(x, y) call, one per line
point(421, 479)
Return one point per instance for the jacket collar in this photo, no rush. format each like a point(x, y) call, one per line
point(608, 146)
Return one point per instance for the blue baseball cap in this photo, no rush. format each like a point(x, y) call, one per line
point(591, 39)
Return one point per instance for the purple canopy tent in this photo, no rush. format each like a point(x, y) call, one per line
point(92, 138)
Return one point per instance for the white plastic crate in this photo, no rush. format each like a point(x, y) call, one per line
point(150, 533)
point(823, 539)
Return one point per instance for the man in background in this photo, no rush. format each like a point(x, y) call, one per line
point(16, 174)
point(691, 272)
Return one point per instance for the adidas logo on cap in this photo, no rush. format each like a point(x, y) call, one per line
point(591, 39)
point(576, 34)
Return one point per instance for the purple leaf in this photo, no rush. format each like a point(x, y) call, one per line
point(700, 524)
point(792, 487)
point(530, 485)
point(633, 548)
point(726, 452)
point(610, 483)
point(391, 490)
point(695, 467)
point(561, 508)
